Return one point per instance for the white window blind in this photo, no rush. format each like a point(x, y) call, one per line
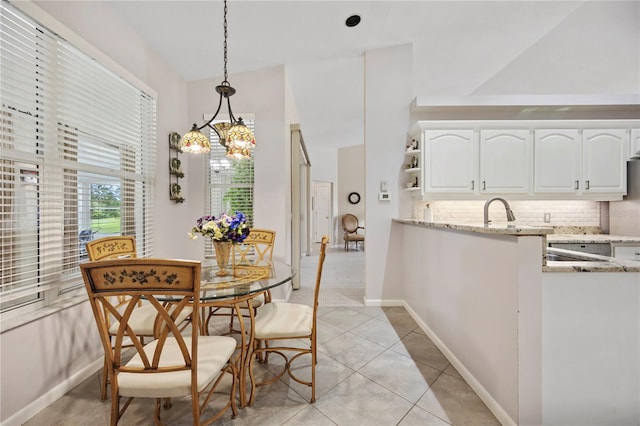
point(230, 186)
point(77, 158)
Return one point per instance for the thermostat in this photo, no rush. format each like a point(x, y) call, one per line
point(384, 196)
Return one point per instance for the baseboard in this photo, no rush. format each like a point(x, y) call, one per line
point(55, 393)
point(383, 302)
point(482, 393)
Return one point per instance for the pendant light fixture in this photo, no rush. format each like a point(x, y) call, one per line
point(237, 138)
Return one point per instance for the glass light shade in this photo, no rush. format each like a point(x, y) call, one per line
point(238, 153)
point(195, 142)
point(240, 136)
point(222, 129)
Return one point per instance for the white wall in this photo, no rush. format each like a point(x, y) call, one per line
point(474, 316)
point(593, 50)
point(351, 179)
point(386, 125)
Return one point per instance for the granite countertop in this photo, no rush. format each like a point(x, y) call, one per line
point(592, 238)
point(590, 263)
point(500, 229)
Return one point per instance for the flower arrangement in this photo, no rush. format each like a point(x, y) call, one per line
point(231, 228)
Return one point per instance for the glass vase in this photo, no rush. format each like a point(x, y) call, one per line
point(223, 251)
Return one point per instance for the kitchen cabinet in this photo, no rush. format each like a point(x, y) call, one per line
point(523, 159)
point(505, 160)
point(450, 160)
point(558, 161)
point(604, 161)
point(627, 252)
point(634, 144)
point(570, 161)
point(602, 249)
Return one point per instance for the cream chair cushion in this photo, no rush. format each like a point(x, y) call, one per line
point(213, 354)
point(281, 320)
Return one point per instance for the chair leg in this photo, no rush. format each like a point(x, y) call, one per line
point(105, 380)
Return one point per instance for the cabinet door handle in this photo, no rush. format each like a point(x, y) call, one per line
point(473, 184)
point(577, 184)
point(587, 184)
point(484, 185)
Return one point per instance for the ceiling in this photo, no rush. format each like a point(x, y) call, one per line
point(324, 58)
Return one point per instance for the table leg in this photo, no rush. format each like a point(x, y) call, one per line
point(247, 340)
point(246, 348)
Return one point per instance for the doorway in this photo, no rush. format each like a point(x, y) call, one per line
point(322, 210)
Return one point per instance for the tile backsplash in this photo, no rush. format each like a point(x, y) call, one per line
point(527, 212)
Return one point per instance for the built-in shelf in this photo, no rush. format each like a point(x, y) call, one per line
point(412, 151)
point(415, 169)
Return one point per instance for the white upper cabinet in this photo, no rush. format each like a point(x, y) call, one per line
point(557, 161)
point(634, 144)
point(450, 161)
point(523, 159)
point(505, 160)
point(604, 165)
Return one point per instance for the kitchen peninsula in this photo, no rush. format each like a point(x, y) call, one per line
point(540, 342)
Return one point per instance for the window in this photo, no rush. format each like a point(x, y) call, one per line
point(77, 158)
point(230, 186)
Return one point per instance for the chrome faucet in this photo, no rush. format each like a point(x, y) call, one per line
point(510, 216)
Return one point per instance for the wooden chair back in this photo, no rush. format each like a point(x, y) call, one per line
point(316, 292)
point(115, 247)
point(349, 223)
point(256, 250)
point(350, 226)
point(152, 280)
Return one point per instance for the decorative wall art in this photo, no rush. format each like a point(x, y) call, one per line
point(175, 168)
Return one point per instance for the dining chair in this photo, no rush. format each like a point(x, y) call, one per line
point(114, 247)
point(281, 321)
point(143, 316)
point(173, 364)
point(256, 251)
point(350, 227)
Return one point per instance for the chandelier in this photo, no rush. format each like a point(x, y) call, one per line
point(234, 135)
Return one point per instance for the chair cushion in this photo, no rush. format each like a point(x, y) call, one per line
point(143, 317)
point(213, 354)
point(282, 320)
point(354, 237)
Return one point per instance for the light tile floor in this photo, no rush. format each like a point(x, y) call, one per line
point(375, 367)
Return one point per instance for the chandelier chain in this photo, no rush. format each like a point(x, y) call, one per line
point(225, 41)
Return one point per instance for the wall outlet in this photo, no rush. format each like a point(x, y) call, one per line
point(547, 218)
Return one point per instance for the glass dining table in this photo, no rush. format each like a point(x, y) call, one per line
point(236, 291)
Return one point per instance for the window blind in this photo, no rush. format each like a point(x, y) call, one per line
point(230, 187)
point(77, 158)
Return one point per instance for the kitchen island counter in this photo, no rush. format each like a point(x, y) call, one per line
point(514, 328)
